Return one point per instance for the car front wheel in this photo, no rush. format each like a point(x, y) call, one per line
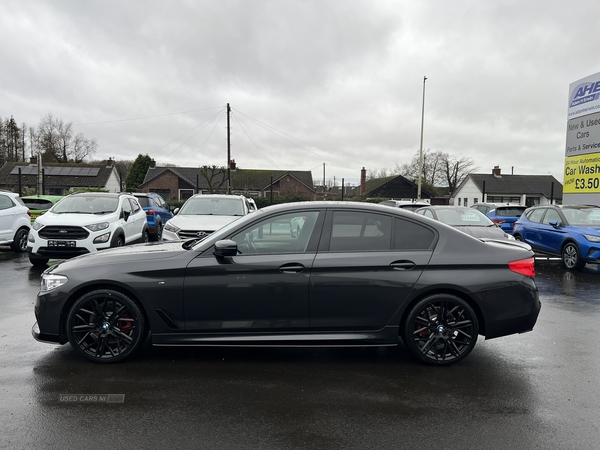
point(105, 326)
point(571, 257)
point(441, 329)
point(37, 261)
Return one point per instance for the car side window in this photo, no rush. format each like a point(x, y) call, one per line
point(551, 215)
point(536, 215)
point(5, 202)
point(360, 231)
point(134, 205)
point(409, 235)
point(275, 235)
point(126, 205)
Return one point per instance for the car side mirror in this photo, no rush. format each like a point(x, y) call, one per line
point(554, 223)
point(225, 247)
point(175, 211)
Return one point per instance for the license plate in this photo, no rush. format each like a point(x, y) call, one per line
point(61, 244)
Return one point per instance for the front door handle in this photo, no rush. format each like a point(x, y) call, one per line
point(291, 268)
point(402, 265)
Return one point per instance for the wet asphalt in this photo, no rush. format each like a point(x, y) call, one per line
point(538, 390)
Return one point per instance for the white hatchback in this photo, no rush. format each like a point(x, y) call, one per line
point(85, 223)
point(14, 221)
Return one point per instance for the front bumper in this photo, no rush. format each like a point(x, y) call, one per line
point(42, 337)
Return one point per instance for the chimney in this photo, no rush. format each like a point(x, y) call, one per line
point(33, 160)
point(232, 165)
point(109, 162)
point(152, 164)
point(363, 181)
point(496, 171)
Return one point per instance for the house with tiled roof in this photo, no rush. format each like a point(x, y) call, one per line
point(180, 183)
point(59, 179)
point(497, 187)
point(393, 187)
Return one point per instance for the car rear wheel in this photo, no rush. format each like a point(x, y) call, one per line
point(571, 257)
point(157, 235)
point(105, 326)
point(518, 237)
point(19, 244)
point(145, 235)
point(441, 329)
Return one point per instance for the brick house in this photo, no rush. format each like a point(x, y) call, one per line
point(180, 183)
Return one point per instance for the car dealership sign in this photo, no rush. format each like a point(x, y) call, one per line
point(582, 152)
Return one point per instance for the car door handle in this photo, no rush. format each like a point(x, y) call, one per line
point(291, 268)
point(402, 265)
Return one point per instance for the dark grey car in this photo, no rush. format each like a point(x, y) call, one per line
point(356, 275)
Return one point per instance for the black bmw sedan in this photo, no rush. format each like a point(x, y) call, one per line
point(354, 275)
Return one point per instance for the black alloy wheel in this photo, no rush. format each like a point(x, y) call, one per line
point(571, 257)
point(518, 237)
point(145, 235)
point(105, 326)
point(441, 329)
point(119, 241)
point(19, 244)
point(157, 235)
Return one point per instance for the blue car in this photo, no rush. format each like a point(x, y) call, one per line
point(571, 232)
point(157, 213)
point(503, 215)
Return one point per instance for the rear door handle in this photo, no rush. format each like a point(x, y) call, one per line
point(291, 268)
point(402, 265)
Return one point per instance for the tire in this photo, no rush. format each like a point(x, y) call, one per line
point(105, 326)
point(571, 257)
point(119, 241)
point(518, 237)
point(157, 235)
point(441, 329)
point(38, 261)
point(145, 235)
point(19, 244)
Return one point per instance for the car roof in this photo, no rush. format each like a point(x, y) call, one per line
point(217, 196)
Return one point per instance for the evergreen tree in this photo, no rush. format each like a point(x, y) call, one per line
point(137, 173)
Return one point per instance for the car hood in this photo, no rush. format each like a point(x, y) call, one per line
point(68, 219)
point(201, 222)
point(128, 254)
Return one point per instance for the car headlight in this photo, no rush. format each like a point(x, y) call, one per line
point(37, 225)
point(591, 238)
point(50, 282)
point(97, 226)
point(172, 228)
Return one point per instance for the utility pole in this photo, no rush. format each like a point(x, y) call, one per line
point(228, 152)
point(421, 146)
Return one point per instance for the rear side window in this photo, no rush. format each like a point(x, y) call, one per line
point(5, 202)
point(38, 203)
point(360, 231)
point(409, 235)
point(536, 215)
point(144, 201)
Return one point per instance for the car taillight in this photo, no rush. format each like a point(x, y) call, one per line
point(523, 267)
point(150, 213)
point(29, 213)
point(498, 221)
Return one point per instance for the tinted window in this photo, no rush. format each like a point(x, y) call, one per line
point(512, 211)
point(274, 235)
point(536, 215)
point(412, 236)
point(38, 203)
point(360, 231)
point(144, 201)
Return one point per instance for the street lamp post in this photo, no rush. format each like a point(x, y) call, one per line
point(421, 146)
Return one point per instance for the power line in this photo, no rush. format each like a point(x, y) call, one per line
point(147, 117)
point(244, 130)
point(209, 135)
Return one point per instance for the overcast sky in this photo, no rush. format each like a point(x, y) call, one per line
point(309, 82)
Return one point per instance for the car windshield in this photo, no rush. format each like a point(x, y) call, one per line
point(212, 206)
point(86, 205)
point(583, 217)
point(37, 203)
point(466, 217)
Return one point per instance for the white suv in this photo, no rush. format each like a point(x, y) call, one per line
point(14, 221)
point(85, 223)
point(202, 214)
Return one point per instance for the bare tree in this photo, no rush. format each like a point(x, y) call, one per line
point(216, 177)
point(58, 142)
point(456, 168)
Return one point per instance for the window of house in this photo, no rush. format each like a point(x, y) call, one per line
point(459, 201)
point(475, 200)
point(466, 202)
point(184, 194)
